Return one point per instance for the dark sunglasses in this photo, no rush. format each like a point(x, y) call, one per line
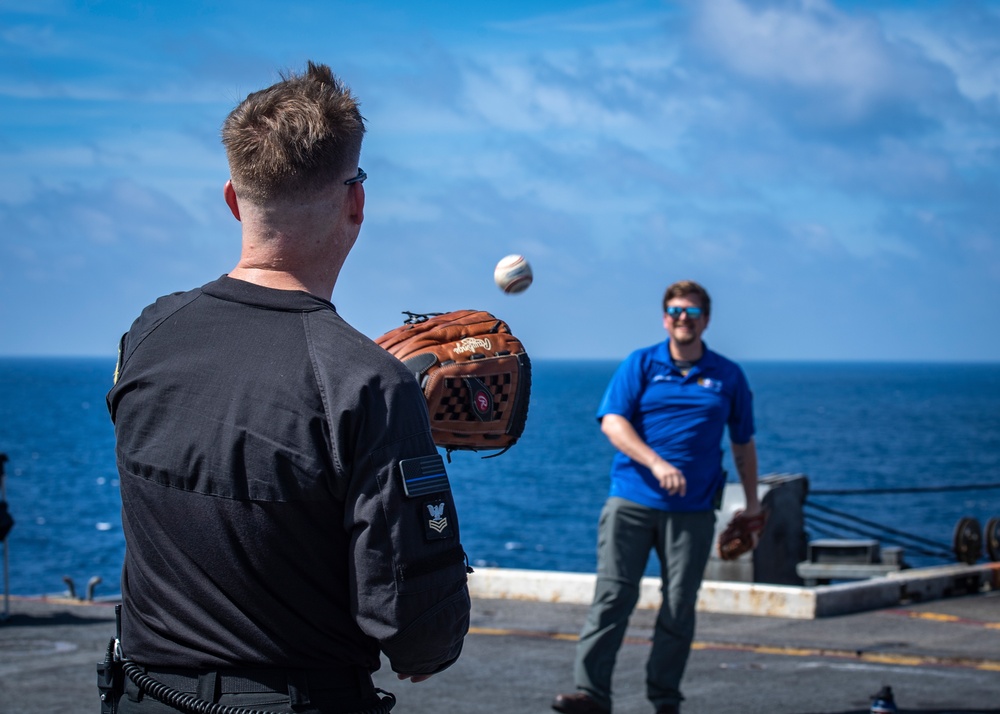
point(693, 312)
point(360, 178)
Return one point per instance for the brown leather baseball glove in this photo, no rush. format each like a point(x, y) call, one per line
point(741, 534)
point(475, 375)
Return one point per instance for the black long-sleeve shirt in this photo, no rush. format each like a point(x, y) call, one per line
point(259, 443)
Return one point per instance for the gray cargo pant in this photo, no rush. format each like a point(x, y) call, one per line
point(626, 533)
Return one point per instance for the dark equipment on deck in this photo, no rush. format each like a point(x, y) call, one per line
point(968, 541)
point(6, 520)
point(6, 523)
point(992, 535)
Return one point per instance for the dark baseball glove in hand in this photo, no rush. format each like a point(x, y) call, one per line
point(741, 534)
point(475, 375)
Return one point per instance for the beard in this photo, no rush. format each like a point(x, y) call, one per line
point(684, 337)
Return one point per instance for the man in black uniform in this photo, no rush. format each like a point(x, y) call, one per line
point(287, 516)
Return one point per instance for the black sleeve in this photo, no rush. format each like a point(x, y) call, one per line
point(408, 567)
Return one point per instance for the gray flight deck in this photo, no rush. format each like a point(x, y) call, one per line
point(939, 654)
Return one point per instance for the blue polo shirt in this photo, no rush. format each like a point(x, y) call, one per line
point(680, 417)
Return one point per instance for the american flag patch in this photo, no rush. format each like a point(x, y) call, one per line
point(424, 475)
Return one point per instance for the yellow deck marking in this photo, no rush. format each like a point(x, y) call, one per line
point(941, 617)
point(936, 616)
point(778, 650)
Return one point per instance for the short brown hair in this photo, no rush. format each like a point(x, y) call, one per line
point(688, 287)
point(295, 136)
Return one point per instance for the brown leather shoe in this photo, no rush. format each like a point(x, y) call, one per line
point(578, 703)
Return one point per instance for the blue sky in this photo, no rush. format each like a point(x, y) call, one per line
point(830, 171)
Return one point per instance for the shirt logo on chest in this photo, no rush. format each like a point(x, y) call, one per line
point(708, 383)
point(667, 378)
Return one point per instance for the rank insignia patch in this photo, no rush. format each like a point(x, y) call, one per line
point(424, 475)
point(437, 526)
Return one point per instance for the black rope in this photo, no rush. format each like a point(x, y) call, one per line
point(823, 531)
point(862, 531)
point(879, 529)
point(872, 524)
point(907, 489)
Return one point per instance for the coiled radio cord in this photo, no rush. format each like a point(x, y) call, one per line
point(191, 704)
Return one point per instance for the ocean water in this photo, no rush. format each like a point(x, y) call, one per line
point(916, 445)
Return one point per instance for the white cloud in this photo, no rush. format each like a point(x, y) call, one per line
point(965, 38)
point(805, 45)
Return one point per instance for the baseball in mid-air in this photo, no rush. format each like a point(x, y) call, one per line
point(513, 274)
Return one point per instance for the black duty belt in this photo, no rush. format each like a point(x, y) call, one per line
point(194, 691)
point(233, 681)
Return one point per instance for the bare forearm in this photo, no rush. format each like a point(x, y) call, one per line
point(624, 437)
point(745, 458)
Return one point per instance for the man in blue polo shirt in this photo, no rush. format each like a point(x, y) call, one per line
point(665, 410)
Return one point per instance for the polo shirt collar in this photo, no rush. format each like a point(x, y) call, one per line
point(707, 361)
